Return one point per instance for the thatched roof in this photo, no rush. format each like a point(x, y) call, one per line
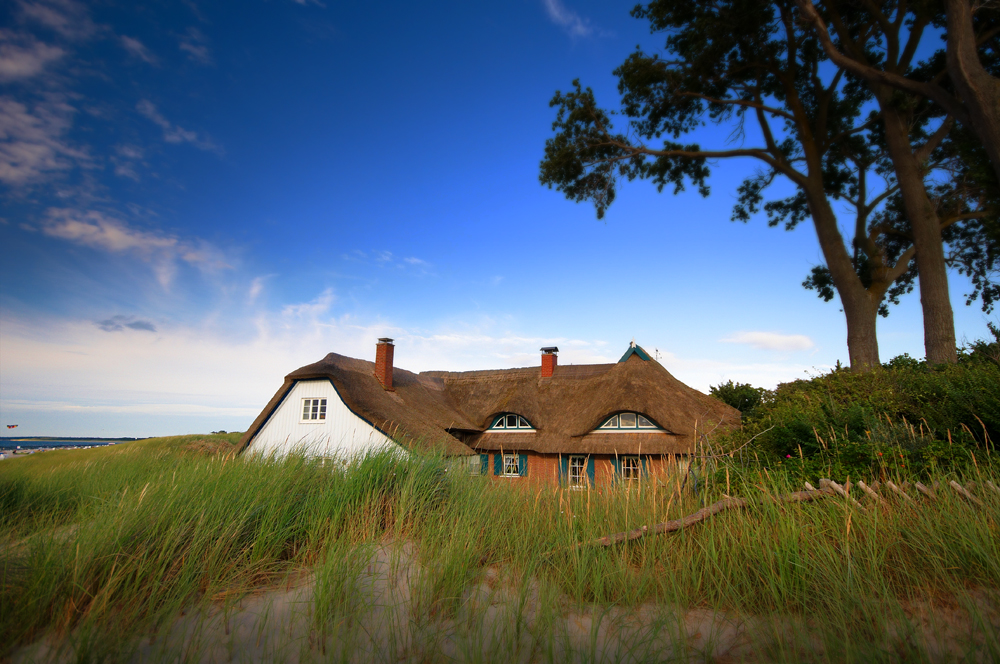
point(434, 409)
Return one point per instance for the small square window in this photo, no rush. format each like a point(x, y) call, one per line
point(313, 410)
point(627, 420)
point(510, 466)
point(512, 421)
point(631, 468)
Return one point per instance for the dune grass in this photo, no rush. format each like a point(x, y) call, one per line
point(112, 544)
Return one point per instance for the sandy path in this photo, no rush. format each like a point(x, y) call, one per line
point(384, 620)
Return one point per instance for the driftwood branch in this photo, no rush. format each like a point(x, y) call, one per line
point(701, 515)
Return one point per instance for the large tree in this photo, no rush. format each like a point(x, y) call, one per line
point(729, 62)
point(878, 43)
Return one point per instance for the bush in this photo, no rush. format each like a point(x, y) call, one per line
point(852, 423)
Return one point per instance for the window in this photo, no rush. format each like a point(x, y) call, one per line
point(630, 467)
point(511, 421)
point(313, 410)
point(627, 422)
point(511, 468)
point(578, 471)
point(644, 423)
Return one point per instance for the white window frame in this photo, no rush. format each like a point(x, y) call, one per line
point(520, 423)
point(313, 406)
point(649, 423)
point(631, 467)
point(582, 481)
point(514, 461)
point(614, 423)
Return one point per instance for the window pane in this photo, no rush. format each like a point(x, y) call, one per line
point(523, 423)
point(305, 409)
point(627, 420)
point(512, 421)
point(645, 424)
point(510, 464)
point(611, 424)
point(630, 468)
point(322, 409)
point(577, 469)
point(499, 423)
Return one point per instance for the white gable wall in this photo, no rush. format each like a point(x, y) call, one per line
point(342, 434)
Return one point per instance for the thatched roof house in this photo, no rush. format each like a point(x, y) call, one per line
point(533, 417)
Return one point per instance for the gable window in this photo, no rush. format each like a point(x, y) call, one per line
point(630, 468)
point(628, 422)
point(511, 421)
point(578, 471)
point(313, 410)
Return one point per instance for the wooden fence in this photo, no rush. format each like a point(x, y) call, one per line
point(876, 493)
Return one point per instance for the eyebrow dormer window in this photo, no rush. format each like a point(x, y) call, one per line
point(627, 422)
point(511, 421)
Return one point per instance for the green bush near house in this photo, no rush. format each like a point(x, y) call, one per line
point(906, 417)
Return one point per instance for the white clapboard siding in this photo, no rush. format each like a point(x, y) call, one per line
point(342, 435)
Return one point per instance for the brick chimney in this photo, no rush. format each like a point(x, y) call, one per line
point(383, 362)
point(549, 361)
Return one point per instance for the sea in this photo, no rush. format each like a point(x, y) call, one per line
point(10, 443)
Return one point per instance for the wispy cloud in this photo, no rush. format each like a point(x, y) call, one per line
point(195, 45)
point(138, 49)
point(568, 19)
point(173, 133)
point(32, 142)
point(68, 18)
point(23, 56)
point(125, 159)
point(99, 231)
point(119, 323)
point(771, 340)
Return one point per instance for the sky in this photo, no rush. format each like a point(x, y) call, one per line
point(198, 198)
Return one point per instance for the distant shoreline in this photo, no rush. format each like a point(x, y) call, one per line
point(46, 439)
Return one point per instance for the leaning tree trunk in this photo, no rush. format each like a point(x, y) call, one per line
point(925, 227)
point(860, 309)
point(979, 91)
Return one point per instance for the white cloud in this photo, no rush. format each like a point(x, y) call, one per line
point(31, 140)
point(173, 133)
point(256, 288)
point(22, 56)
point(136, 48)
point(771, 340)
point(567, 18)
point(66, 17)
point(97, 230)
point(195, 44)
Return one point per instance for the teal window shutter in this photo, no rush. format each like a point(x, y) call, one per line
point(484, 464)
point(590, 469)
point(522, 465)
point(563, 469)
point(497, 464)
point(616, 463)
point(643, 459)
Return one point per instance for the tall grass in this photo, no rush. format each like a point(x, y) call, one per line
point(107, 549)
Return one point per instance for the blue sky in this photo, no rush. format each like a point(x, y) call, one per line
point(197, 198)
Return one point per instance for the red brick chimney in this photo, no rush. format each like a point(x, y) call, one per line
point(549, 361)
point(383, 363)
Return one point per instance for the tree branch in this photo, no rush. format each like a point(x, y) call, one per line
point(933, 92)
